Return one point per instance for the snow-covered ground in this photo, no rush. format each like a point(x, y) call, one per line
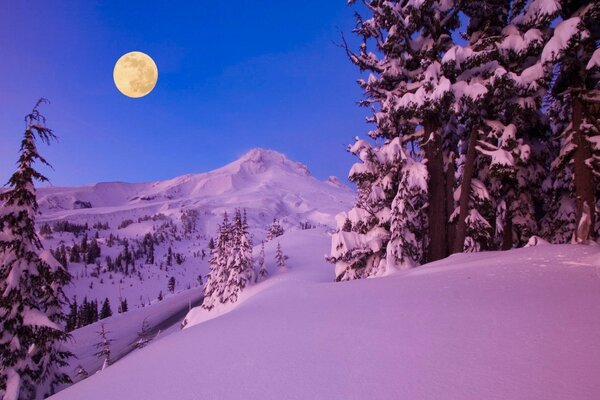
point(124, 331)
point(522, 324)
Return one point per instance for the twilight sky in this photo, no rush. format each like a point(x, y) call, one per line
point(232, 76)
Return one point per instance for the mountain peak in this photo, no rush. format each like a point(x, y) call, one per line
point(260, 160)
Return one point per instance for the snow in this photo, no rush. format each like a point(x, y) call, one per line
point(36, 318)
point(521, 324)
point(13, 384)
point(563, 33)
point(594, 60)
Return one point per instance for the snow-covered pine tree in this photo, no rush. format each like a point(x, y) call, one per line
point(280, 257)
point(240, 268)
point(408, 225)
point(411, 102)
point(143, 335)
point(572, 55)
point(103, 346)
point(31, 281)
point(262, 268)
point(274, 230)
point(171, 284)
point(217, 275)
point(105, 311)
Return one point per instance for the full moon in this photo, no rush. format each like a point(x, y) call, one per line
point(135, 74)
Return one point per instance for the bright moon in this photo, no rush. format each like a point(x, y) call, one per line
point(135, 74)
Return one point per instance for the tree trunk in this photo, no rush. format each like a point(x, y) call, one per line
point(450, 182)
point(584, 180)
point(507, 232)
point(436, 212)
point(465, 192)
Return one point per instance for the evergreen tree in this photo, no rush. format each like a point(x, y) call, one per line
point(74, 254)
point(93, 252)
point(143, 335)
point(31, 281)
point(217, 275)
point(239, 267)
point(123, 307)
point(83, 246)
point(280, 257)
point(149, 248)
point(73, 317)
point(262, 268)
point(408, 225)
point(103, 346)
point(274, 230)
point(106, 311)
point(171, 284)
point(572, 57)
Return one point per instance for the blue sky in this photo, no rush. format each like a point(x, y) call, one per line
point(232, 76)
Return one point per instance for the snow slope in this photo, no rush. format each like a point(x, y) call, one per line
point(522, 324)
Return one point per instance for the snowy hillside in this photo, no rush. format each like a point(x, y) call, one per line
point(521, 324)
point(263, 182)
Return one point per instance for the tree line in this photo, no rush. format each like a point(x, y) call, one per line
point(485, 130)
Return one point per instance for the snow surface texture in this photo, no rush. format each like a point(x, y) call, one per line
point(521, 324)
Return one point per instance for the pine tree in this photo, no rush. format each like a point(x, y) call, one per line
point(239, 267)
point(262, 268)
point(31, 281)
point(74, 254)
point(171, 284)
point(148, 244)
point(572, 56)
point(408, 225)
point(217, 275)
point(103, 346)
point(106, 311)
point(73, 317)
point(143, 335)
point(274, 230)
point(280, 257)
point(93, 252)
point(123, 307)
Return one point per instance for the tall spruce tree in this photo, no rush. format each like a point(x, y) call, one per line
point(262, 268)
point(240, 269)
point(31, 281)
point(572, 57)
point(217, 278)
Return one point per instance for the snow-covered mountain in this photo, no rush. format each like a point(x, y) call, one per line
point(263, 182)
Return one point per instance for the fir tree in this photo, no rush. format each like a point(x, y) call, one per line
point(103, 346)
point(31, 281)
point(106, 311)
point(217, 275)
point(239, 267)
point(274, 230)
point(149, 248)
point(73, 317)
point(280, 257)
point(143, 335)
point(572, 57)
point(262, 268)
point(171, 284)
point(123, 307)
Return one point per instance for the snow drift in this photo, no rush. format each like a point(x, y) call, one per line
point(521, 324)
